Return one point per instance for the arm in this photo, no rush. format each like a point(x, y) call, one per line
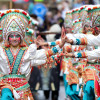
point(54, 43)
point(37, 62)
point(88, 40)
point(35, 54)
point(95, 54)
point(73, 48)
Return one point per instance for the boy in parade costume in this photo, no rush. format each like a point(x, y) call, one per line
point(15, 58)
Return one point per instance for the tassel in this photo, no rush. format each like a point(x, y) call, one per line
point(29, 98)
point(53, 86)
point(80, 93)
point(77, 89)
point(16, 96)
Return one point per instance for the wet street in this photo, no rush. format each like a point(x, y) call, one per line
point(40, 96)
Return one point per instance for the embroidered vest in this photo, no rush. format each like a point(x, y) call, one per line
point(15, 61)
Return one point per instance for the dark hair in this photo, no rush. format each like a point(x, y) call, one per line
point(33, 16)
point(91, 2)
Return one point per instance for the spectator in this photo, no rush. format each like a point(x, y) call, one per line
point(30, 8)
point(88, 2)
point(65, 5)
point(77, 4)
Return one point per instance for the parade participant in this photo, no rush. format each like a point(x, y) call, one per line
point(89, 72)
point(16, 58)
point(89, 39)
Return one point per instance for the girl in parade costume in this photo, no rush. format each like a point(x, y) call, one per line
point(15, 58)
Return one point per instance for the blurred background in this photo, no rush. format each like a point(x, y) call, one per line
point(49, 14)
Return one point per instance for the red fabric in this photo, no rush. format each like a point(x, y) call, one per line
point(97, 87)
point(32, 69)
point(61, 65)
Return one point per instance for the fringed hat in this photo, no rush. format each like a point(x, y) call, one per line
point(75, 13)
point(83, 12)
point(87, 21)
point(77, 26)
point(68, 19)
point(68, 15)
point(93, 11)
point(96, 15)
point(14, 21)
point(96, 21)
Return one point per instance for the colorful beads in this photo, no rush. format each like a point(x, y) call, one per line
point(18, 11)
point(80, 55)
point(82, 41)
point(54, 49)
point(53, 43)
point(78, 42)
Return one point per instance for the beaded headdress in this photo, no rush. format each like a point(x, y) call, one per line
point(93, 11)
point(75, 14)
point(68, 19)
point(83, 13)
point(14, 21)
point(95, 15)
point(87, 22)
point(77, 26)
point(96, 21)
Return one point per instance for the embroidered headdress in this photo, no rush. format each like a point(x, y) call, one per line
point(96, 15)
point(75, 14)
point(83, 12)
point(15, 21)
point(68, 19)
point(77, 26)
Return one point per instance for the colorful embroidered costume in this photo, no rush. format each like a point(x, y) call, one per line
point(15, 68)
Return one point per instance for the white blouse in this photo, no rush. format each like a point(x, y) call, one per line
point(95, 54)
point(91, 39)
point(32, 57)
